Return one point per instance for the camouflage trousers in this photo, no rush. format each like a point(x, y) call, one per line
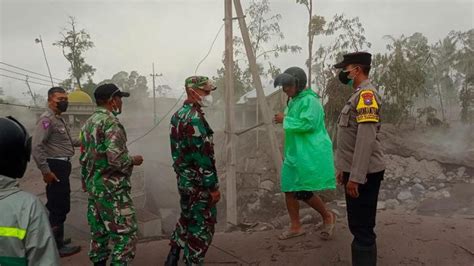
point(112, 218)
point(195, 227)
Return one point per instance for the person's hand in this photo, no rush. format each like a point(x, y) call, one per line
point(352, 189)
point(339, 177)
point(137, 160)
point(215, 196)
point(50, 177)
point(279, 118)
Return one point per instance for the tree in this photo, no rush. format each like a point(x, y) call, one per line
point(264, 31)
point(134, 83)
point(315, 27)
point(74, 43)
point(405, 77)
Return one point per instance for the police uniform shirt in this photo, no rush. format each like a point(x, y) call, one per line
point(359, 150)
point(51, 139)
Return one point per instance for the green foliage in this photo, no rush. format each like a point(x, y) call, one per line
point(74, 43)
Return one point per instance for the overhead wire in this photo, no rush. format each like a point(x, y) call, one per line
point(34, 82)
point(29, 71)
point(25, 75)
point(179, 99)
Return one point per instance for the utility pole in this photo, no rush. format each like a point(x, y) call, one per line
point(31, 92)
point(231, 187)
point(153, 75)
point(257, 82)
point(45, 59)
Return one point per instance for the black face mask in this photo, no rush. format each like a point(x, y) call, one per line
point(62, 106)
point(344, 77)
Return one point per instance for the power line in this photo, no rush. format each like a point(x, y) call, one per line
point(159, 122)
point(34, 82)
point(210, 48)
point(21, 74)
point(29, 71)
point(19, 105)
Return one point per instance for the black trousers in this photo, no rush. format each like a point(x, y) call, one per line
point(59, 193)
point(361, 211)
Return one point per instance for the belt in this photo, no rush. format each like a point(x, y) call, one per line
point(67, 159)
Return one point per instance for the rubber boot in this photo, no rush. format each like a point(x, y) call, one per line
point(364, 256)
point(173, 256)
point(101, 263)
point(63, 249)
point(61, 236)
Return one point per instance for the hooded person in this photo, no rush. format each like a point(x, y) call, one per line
point(308, 164)
point(25, 233)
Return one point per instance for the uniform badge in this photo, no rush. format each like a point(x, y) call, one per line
point(46, 124)
point(368, 98)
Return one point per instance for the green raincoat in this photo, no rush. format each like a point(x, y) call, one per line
point(308, 163)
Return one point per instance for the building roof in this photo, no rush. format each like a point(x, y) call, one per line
point(78, 96)
point(253, 94)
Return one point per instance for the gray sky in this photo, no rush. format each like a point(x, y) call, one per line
point(130, 35)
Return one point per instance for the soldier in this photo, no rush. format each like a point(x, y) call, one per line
point(192, 151)
point(53, 148)
point(25, 233)
point(359, 156)
point(106, 170)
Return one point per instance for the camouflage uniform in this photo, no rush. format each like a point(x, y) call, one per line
point(106, 171)
point(193, 155)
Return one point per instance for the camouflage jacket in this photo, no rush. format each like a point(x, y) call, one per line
point(106, 164)
point(192, 150)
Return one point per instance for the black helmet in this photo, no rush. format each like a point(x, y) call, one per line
point(292, 76)
point(15, 147)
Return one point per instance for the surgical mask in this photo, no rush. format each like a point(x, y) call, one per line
point(204, 101)
point(116, 111)
point(344, 77)
point(62, 106)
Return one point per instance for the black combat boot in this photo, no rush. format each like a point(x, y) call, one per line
point(173, 256)
point(364, 256)
point(65, 241)
point(101, 263)
point(64, 250)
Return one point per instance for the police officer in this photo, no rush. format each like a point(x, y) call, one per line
point(53, 147)
point(106, 170)
point(359, 156)
point(25, 233)
point(192, 150)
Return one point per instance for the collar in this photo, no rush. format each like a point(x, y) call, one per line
point(363, 84)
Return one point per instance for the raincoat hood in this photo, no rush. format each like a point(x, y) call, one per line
point(8, 186)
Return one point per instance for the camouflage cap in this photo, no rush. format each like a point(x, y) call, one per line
point(200, 82)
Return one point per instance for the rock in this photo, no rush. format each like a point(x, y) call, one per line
point(381, 205)
point(411, 205)
point(404, 195)
point(460, 172)
point(441, 185)
point(391, 204)
point(336, 212)
point(406, 179)
point(419, 187)
point(417, 180)
point(432, 188)
point(445, 193)
point(402, 183)
point(434, 195)
point(307, 219)
point(341, 203)
point(441, 177)
point(267, 185)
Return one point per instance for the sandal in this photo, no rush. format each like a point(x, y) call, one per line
point(327, 231)
point(289, 234)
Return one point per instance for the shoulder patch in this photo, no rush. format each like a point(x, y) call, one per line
point(367, 107)
point(45, 123)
